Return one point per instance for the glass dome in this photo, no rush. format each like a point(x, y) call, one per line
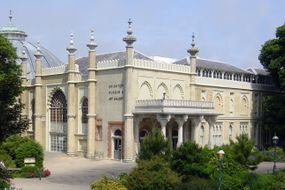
point(18, 38)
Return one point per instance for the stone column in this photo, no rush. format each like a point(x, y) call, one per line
point(71, 103)
point(38, 96)
point(137, 121)
point(196, 123)
point(129, 96)
point(211, 121)
point(163, 120)
point(181, 122)
point(24, 94)
point(91, 97)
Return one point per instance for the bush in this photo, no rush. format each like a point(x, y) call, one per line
point(11, 144)
point(151, 175)
point(30, 171)
point(29, 149)
point(197, 183)
point(190, 159)
point(154, 145)
point(107, 183)
point(268, 155)
point(4, 178)
point(6, 158)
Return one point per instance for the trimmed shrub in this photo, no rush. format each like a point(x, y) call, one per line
point(29, 149)
point(11, 144)
point(107, 183)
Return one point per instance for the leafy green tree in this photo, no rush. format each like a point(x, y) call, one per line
point(272, 57)
point(152, 174)
point(10, 88)
point(243, 150)
point(191, 160)
point(154, 144)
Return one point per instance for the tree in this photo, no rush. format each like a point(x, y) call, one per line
point(10, 88)
point(189, 159)
point(272, 57)
point(154, 144)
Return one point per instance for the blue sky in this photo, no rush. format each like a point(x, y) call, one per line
point(231, 31)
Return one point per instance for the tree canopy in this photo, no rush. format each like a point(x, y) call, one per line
point(10, 89)
point(272, 57)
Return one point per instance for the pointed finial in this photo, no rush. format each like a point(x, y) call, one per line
point(71, 48)
point(193, 40)
point(10, 17)
point(129, 32)
point(193, 50)
point(38, 53)
point(129, 39)
point(92, 45)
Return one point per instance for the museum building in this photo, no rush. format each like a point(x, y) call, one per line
point(102, 106)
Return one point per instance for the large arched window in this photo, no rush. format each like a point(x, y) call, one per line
point(58, 119)
point(58, 107)
point(202, 134)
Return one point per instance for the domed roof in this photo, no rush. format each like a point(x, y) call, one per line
point(18, 39)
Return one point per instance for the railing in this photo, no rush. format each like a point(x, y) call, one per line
point(175, 103)
point(174, 107)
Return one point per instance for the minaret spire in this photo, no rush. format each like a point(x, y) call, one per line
point(193, 50)
point(10, 17)
point(129, 39)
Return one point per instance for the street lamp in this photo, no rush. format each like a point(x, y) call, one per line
point(220, 154)
point(275, 141)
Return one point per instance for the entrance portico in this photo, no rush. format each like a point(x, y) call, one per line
point(179, 120)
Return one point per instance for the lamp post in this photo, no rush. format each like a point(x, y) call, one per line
point(275, 141)
point(220, 154)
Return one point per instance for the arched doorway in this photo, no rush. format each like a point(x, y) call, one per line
point(117, 144)
point(58, 122)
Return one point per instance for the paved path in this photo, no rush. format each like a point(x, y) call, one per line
point(72, 173)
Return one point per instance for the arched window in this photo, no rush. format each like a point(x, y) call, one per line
point(145, 91)
point(162, 91)
point(58, 107)
point(218, 103)
point(58, 119)
point(244, 105)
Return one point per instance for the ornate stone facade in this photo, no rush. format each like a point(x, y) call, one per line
point(102, 106)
